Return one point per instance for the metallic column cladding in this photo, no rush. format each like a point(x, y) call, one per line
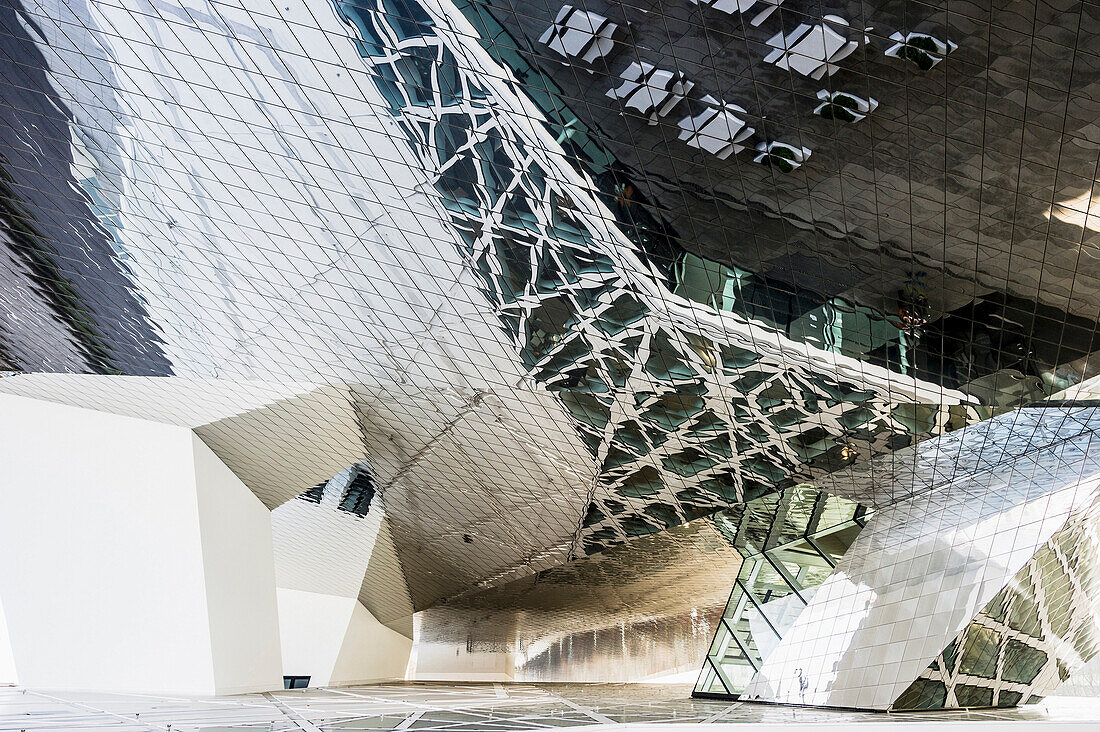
point(927, 564)
point(1034, 634)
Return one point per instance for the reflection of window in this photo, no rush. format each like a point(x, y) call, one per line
point(923, 694)
point(1005, 350)
point(843, 107)
point(812, 51)
point(781, 156)
point(355, 487)
point(1022, 662)
point(408, 19)
point(645, 482)
point(359, 493)
point(980, 652)
point(579, 34)
point(315, 494)
point(923, 50)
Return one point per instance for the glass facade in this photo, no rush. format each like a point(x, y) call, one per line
point(790, 543)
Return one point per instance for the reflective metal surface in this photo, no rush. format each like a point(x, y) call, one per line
point(474, 295)
point(1034, 634)
point(648, 608)
point(644, 374)
point(979, 155)
point(925, 565)
point(552, 322)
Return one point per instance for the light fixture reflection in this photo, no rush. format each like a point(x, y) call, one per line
point(1083, 211)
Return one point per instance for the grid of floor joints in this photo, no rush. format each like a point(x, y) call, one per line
point(454, 707)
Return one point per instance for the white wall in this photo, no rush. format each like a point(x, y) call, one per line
point(321, 549)
point(312, 628)
point(336, 641)
point(451, 662)
point(371, 651)
point(235, 527)
point(8, 674)
point(104, 582)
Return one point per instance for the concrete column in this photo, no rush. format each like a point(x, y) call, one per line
point(336, 641)
point(134, 559)
point(8, 674)
point(322, 556)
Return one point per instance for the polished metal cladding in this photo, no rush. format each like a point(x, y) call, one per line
point(1034, 634)
point(648, 378)
point(643, 609)
point(539, 326)
point(922, 567)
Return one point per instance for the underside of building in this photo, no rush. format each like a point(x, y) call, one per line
point(745, 343)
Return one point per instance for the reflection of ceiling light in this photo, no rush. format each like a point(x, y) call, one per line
point(781, 155)
point(1082, 211)
point(920, 48)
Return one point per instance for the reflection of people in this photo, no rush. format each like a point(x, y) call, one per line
point(803, 684)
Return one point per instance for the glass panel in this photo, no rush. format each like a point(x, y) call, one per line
point(709, 681)
point(773, 586)
point(980, 653)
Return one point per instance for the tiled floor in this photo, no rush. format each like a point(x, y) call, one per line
point(453, 707)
